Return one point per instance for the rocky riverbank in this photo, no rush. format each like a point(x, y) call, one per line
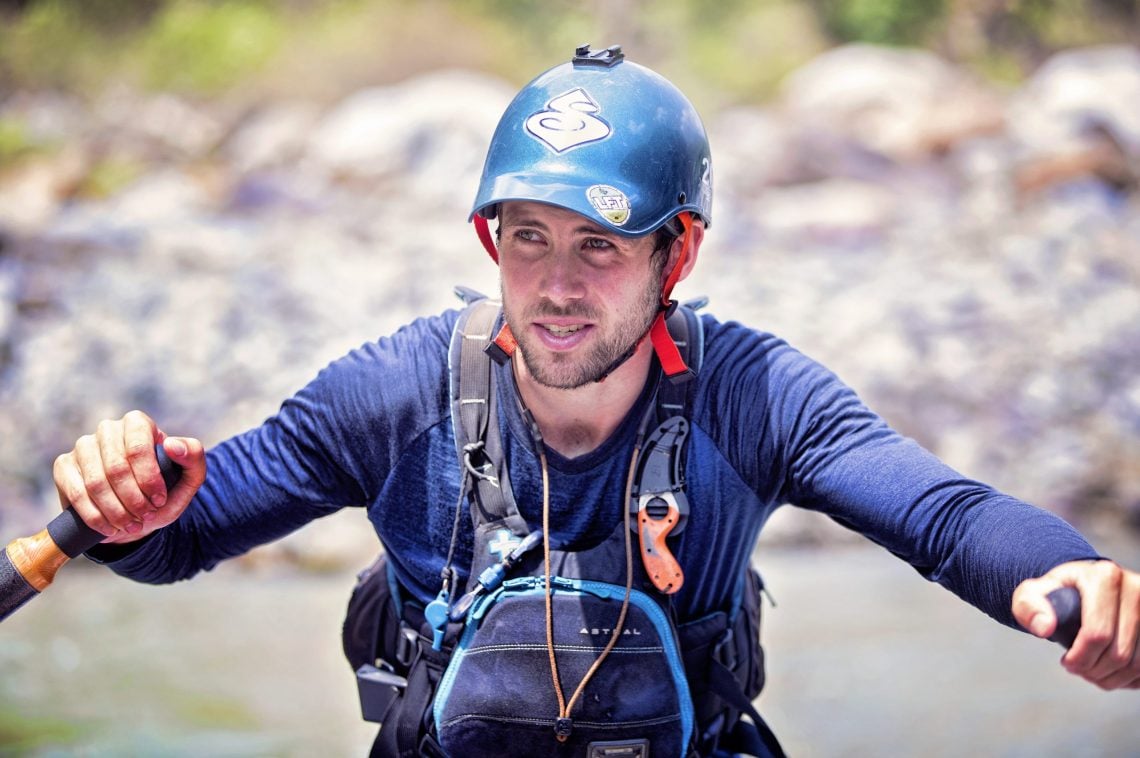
point(967, 257)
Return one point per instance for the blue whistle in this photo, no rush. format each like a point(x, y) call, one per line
point(437, 614)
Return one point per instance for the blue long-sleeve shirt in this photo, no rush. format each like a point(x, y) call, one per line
point(768, 426)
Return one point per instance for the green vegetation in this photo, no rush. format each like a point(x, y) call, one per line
point(727, 50)
point(199, 711)
point(107, 177)
point(24, 732)
point(199, 47)
point(881, 21)
point(14, 141)
point(188, 46)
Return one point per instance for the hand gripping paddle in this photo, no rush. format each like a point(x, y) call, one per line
point(28, 564)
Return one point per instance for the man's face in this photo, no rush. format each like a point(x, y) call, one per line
point(576, 295)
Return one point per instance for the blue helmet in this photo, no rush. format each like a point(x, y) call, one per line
point(605, 138)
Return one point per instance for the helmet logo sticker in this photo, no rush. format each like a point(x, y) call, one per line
point(569, 121)
point(610, 202)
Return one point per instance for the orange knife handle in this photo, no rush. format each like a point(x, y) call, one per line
point(662, 567)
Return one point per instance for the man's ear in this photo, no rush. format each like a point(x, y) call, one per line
point(696, 236)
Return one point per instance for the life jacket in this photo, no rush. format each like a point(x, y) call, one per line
point(494, 667)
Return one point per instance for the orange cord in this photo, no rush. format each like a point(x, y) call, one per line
point(565, 707)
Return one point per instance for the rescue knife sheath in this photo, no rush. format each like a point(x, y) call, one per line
point(29, 564)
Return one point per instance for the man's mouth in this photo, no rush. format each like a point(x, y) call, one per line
point(562, 331)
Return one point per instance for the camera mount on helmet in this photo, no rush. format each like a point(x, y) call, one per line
point(611, 56)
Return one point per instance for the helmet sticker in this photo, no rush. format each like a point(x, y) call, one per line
point(568, 122)
point(705, 200)
point(610, 202)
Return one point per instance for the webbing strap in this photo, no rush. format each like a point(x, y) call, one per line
point(723, 683)
point(659, 478)
point(687, 334)
point(671, 361)
point(405, 731)
point(471, 394)
point(474, 415)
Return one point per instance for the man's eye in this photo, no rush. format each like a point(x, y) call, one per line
point(527, 235)
point(598, 243)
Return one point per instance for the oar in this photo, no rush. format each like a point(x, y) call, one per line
point(28, 564)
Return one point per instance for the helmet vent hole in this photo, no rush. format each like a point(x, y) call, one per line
point(682, 198)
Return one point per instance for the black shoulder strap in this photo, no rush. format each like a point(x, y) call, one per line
point(658, 505)
point(689, 335)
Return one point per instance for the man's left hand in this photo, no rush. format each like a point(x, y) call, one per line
point(1107, 650)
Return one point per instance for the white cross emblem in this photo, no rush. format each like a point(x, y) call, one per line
point(504, 543)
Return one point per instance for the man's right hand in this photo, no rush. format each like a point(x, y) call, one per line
point(112, 478)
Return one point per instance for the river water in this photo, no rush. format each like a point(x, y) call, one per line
point(865, 659)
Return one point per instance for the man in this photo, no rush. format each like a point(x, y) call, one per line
point(599, 179)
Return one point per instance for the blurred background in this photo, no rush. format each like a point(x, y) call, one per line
point(202, 203)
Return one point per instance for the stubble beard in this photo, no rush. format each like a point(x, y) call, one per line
point(567, 372)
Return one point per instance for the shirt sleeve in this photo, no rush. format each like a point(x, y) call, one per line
point(331, 445)
point(821, 448)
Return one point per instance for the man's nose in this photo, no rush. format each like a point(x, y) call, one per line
point(562, 278)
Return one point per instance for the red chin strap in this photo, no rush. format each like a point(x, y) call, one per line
point(483, 229)
point(663, 344)
point(671, 362)
point(503, 347)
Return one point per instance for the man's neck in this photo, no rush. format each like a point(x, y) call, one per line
point(575, 422)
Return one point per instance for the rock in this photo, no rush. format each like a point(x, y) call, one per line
point(33, 188)
point(49, 119)
point(751, 148)
point(1075, 93)
point(160, 127)
point(273, 137)
point(1072, 121)
point(830, 212)
point(431, 132)
point(902, 103)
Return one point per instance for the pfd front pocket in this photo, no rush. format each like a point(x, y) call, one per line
point(497, 697)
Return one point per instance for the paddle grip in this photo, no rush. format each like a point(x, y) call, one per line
point(72, 536)
point(1067, 605)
